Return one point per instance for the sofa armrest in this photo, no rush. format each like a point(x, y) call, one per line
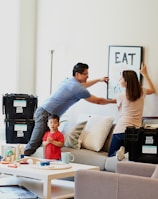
point(137, 187)
point(135, 168)
point(95, 184)
point(100, 184)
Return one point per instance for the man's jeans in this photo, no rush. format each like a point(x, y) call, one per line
point(41, 118)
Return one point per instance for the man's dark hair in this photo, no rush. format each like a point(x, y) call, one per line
point(79, 68)
point(53, 117)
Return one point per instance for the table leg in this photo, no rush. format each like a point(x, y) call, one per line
point(47, 188)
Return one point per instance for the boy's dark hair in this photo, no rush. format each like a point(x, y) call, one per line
point(53, 117)
point(80, 68)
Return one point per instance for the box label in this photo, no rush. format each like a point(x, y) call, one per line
point(20, 134)
point(20, 127)
point(19, 103)
point(149, 140)
point(19, 109)
point(149, 149)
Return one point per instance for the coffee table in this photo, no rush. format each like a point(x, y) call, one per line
point(46, 183)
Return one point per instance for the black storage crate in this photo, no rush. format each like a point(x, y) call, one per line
point(19, 130)
point(142, 144)
point(19, 106)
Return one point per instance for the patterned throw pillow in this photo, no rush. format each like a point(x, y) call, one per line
point(71, 133)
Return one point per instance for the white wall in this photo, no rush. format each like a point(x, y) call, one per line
point(18, 40)
point(8, 49)
point(17, 48)
point(77, 30)
point(81, 31)
point(8, 45)
point(26, 48)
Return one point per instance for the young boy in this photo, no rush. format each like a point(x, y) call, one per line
point(53, 139)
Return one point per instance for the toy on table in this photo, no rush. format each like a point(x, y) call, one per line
point(33, 160)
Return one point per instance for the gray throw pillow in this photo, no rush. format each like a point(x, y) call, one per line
point(71, 133)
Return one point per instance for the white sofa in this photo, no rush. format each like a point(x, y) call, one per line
point(91, 146)
point(87, 138)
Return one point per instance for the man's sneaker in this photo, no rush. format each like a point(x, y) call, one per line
point(121, 153)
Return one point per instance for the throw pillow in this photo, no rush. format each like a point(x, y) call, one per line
point(95, 132)
point(71, 133)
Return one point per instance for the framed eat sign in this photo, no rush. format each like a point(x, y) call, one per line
point(122, 58)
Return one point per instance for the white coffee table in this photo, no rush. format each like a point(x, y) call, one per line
point(46, 183)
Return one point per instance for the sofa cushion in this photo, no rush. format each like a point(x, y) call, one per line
point(112, 162)
point(95, 132)
point(85, 156)
point(135, 168)
point(71, 133)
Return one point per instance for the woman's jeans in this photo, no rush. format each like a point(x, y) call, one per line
point(116, 142)
point(41, 118)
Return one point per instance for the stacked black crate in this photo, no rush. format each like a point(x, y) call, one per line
point(19, 117)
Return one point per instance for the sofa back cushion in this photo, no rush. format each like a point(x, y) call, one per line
point(135, 168)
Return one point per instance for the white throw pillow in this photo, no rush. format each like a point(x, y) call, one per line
point(95, 132)
point(71, 133)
